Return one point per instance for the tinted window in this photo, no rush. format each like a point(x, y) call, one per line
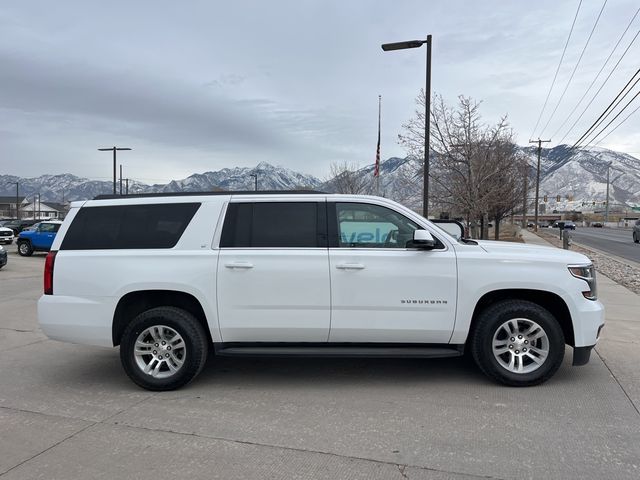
point(129, 226)
point(274, 224)
point(372, 226)
point(49, 227)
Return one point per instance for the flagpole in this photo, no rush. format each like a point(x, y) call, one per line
point(377, 167)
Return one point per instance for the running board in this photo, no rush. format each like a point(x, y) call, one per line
point(368, 351)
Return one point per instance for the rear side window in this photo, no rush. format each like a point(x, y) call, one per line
point(275, 225)
point(129, 226)
point(49, 227)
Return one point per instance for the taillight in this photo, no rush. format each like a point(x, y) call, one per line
point(48, 273)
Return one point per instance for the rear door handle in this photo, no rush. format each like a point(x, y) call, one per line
point(239, 265)
point(350, 266)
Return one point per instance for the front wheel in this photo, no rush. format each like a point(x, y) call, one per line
point(163, 348)
point(25, 249)
point(517, 343)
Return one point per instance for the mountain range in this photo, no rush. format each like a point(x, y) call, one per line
point(579, 177)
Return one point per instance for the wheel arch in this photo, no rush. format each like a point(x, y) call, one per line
point(134, 303)
point(548, 300)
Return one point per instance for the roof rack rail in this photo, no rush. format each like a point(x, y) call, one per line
point(188, 194)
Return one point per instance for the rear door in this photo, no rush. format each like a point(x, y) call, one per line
point(381, 290)
point(273, 272)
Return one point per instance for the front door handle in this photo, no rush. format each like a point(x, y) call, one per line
point(239, 265)
point(350, 266)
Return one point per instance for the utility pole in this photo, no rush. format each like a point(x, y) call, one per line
point(606, 207)
point(126, 186)
point(39, 212)
point(526, 192)
point(255, 176)
point(120, 179)
point(539, 142)
point(114, 149)
point(17, 200)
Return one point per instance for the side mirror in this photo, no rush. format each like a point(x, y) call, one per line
point(452, 227)
point(422, 239)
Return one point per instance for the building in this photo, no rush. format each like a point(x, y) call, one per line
point(8, 206)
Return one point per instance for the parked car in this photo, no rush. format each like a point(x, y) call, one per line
point(568, 225)
point(636, 231)
point(18, 225)
point(597, 224)
point(174, 278)
point(564, 224)
point(3, 256)
point(38, 240)
point(6, 235)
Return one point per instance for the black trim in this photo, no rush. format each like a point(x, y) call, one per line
point(190, 194)
point(581, 355)
point(370, 350)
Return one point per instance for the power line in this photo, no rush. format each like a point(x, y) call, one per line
point(601, 87)
point(614, 107)
point(597, 75)
point(557, 70)
point(613, 119)
point(616, 127)
point(594, 124)
point(574, 68)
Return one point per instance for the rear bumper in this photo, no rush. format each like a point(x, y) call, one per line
point(86, 321)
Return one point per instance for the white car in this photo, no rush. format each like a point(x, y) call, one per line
point(6, 236)
point(173, 278)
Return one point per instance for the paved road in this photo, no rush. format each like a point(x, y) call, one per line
point(618, 242)
point(69, 412)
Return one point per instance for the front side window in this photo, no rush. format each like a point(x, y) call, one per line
point(274, 225)
point(362, 225)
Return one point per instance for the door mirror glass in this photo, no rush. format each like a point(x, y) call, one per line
point(422, 239)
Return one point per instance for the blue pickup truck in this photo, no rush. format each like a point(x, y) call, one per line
point(38, 239)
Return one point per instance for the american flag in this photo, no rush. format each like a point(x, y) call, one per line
point(376, 170)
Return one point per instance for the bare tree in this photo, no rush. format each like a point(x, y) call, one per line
point(346, 178)
point(473, 165)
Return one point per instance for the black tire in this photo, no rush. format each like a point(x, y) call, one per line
point(195, 350)
point(635, 238)
point(25, 249)
point(489, 323)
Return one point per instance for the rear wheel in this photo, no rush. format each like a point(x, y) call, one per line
point(163, 348)
point(517, 343)
point(25, 249)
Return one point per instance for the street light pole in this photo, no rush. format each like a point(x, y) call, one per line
point(427, 110)
point(114, 149)
point(255, 176)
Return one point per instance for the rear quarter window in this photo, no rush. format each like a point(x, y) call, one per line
point(129, 226)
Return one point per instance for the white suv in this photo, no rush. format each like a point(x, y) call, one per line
point(172, 278)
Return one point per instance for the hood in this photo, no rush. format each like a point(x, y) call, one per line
point(4, 229)
point(539, 252)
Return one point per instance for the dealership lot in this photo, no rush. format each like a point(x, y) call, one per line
point(70, 412)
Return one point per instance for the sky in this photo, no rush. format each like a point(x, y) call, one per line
point(197, 86)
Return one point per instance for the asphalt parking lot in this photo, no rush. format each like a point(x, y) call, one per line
point(69, 412)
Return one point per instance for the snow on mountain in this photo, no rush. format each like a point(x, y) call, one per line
point(54, 188)
point(579, 177)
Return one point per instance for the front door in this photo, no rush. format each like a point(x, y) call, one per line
point(381, 290)
point(273, 273)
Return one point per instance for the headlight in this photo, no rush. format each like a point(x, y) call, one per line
point(588, 274)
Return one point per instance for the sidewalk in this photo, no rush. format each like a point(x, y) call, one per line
point(619, 346)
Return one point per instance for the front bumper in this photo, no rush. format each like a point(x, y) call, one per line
point(3, 258)
point(6, 240)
